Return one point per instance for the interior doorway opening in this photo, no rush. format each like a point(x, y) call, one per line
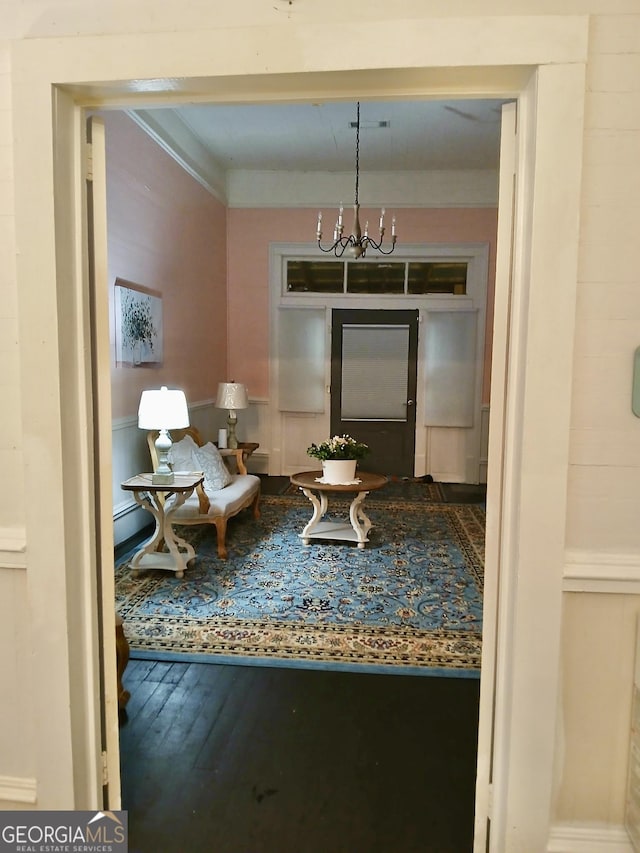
point(414, 321)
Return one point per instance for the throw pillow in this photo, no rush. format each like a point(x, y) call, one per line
point(216, 473)
point(182, 456)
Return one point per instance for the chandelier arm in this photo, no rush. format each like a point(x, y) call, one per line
point(338, 248)
point(382, 251)
point(378, 246)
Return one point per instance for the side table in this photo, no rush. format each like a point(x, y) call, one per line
point(152, 497)
point(247, 448)
point(359, 524)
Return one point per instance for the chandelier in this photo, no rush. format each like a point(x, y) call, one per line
point(357, 242)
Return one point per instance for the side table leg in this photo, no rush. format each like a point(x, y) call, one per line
point(181, 550)
point(319, 509)
point(155, 543)
point(359, 520)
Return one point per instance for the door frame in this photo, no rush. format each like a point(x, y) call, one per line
point(477, 257)
point(541, 60)
point(412, 322)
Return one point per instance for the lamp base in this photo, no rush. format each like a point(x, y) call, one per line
point(163, 475)
point(232, 441)
point(160, 479)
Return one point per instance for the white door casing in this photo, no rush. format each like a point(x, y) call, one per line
point(50, 270)
point(491, 595)
point(102, 440)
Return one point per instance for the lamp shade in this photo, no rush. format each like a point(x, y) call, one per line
point(163, 408)
point(232, 395)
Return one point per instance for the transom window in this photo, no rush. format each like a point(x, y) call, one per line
point(377, 277)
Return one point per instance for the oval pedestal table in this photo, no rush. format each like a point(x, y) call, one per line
point(358, 525)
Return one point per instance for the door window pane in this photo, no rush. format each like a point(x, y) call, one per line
point(363, 277)
point(440, 277)
point(375, 363)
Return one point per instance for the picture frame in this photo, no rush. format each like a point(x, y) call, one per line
point(138, 325)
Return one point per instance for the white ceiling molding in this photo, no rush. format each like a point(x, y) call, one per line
point(260, 188)
point(167, 129)
point(463, 188)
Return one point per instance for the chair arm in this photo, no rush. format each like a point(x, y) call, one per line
point(203, 499)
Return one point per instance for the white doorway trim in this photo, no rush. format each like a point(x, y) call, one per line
point(540, 60)
point(476, 255)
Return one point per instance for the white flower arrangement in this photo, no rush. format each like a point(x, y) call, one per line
point(338, 447)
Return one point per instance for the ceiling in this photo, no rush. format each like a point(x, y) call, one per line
point(416, 136)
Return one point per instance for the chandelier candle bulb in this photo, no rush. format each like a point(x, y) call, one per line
point(382, 212)
point(319, 228)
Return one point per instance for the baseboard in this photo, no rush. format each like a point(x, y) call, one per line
point(588, 838)
point(17, 789)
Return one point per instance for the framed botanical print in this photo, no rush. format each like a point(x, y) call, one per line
point(138, 325)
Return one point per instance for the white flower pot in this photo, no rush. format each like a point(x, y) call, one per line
point(339, 470)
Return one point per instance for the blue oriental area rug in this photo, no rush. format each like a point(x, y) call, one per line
point(411, 601)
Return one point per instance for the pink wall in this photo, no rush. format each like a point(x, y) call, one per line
point(251, 230)
point(167, 233)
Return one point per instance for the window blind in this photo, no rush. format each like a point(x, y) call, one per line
point(374, 372)
point(450, 362)
point(301, 359)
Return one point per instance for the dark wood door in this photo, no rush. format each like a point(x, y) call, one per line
point(373, 385)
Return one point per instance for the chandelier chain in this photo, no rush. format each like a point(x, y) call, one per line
point(357, 150)
point(357, 243)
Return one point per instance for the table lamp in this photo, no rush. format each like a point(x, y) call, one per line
point(232, 396)
point(163, 409)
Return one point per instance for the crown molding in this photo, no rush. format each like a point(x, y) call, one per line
point(170, 132)
point(246, 188)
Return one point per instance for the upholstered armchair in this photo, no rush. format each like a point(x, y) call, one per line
point(224, 492)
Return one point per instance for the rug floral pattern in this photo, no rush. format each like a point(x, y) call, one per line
point(411, 598)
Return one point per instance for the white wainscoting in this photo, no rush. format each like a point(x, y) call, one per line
point(130, 456)
point(588, 838)
point(444, 455)
point(484, 443)
point(299, 430)
point(13, 548)
point(447, 453)
point(254, 425)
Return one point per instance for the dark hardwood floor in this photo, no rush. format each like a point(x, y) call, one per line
point(244, 759)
